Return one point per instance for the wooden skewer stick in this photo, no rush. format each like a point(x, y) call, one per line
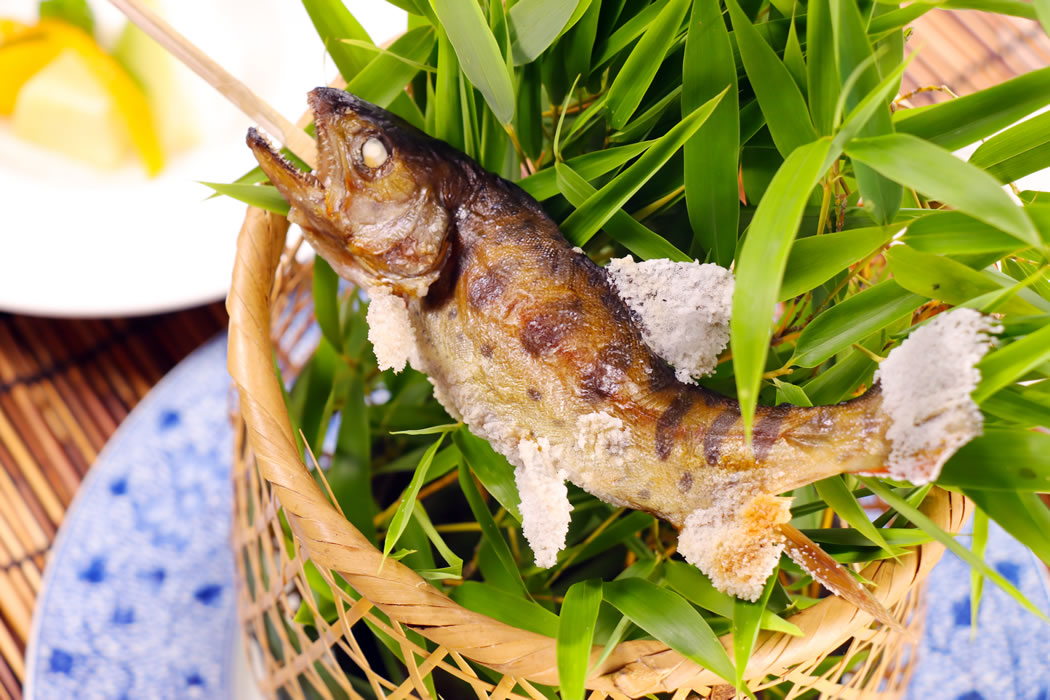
point(254, 107)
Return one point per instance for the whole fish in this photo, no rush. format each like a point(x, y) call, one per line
point(526, 340)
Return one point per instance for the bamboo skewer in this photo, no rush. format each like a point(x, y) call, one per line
point(254, 107)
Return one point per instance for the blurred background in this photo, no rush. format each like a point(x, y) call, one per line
point(110, 276)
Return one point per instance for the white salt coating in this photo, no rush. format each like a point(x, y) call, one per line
point(390, 330)
point(604, 435)
point(736, 541)
point(683, 309)
point(545, 504)
point(926, 385)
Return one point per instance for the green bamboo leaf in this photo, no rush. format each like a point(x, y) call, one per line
point(1016, 8)
point(579, 613)
point(634, 78)
point(760, 267)
point(625, 34)
point(853, 320)
point(620, 532)
point(822, 75)
point(262, 196)
point(1006, 365)
point(965, 120)
point(687, 580)
point(794, 60)
point(544, 184)
point(841, 500)
point(1001, 460)
point(867, 109)
point(1023, 515)
point(977, 546)
point(408, 499)
point(432, 430)
point(529, 120)
point(448, 114)
point(490, 531)
point(712, 155)
point(317, 384)
point(921, 521)
point(385, 77)
point(333, 23)
point(746, 617)
point(535, 24)
point(75, 12)
point(580, 41)
point(779, 97)
point(326, 302)
point(1042, 13)
point(790, 393)
point(938, 277)
point(1020, 150)
point(599, 208)
point(816, 259)
point(854, 56)
point(640, 126)
point(1018, 406)
point(454, 570)
point(955, 233)
point(895, 19)
point(491, 468)
point(622, 227)
point(513, 610)
point(350, 473)
point(667, 617)
point(845, 377)
point(478, 53)
point(895, 537)
point(937, 173)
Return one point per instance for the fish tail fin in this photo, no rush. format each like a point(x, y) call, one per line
point(833, 576)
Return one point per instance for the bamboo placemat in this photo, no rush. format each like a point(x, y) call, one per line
point(65, 385)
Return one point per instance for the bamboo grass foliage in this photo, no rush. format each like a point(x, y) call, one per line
point(766, 136)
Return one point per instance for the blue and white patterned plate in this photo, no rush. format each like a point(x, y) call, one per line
point(138, 599)
point(1009, 654)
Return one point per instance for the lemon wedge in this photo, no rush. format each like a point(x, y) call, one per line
point(60, 109)
point(65, 108)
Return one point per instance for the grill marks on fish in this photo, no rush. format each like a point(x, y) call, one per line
point(716, 435)
point(685, 482)
point(606, 372)
point(766, 431)
point(545, 328)
point(669, 421)
point(486, 288)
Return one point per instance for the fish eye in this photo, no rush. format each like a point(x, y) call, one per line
point(374, 153)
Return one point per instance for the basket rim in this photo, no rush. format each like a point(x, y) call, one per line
point(634, 668)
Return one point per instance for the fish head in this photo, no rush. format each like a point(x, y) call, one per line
point(375, 208)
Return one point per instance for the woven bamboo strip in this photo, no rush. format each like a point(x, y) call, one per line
point(28, 469)
point(69, 379)
point(21, 517)
point(12, 653)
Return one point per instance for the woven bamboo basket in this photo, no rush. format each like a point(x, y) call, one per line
point(284, 521)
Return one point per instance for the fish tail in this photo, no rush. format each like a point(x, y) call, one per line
point(835, 577)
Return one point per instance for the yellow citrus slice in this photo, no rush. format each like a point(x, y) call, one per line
point(28, 51)
point(23, 52)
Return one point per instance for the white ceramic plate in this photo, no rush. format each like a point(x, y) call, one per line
point(79, 242)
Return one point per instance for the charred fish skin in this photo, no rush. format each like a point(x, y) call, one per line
point(526, 340)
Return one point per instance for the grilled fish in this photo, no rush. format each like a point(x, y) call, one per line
point(526, 340)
